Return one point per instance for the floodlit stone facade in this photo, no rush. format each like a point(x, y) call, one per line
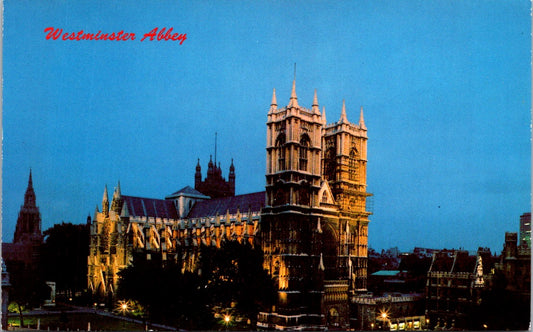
point(314, 225)
point(311, 222)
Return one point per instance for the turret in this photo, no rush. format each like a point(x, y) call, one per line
point(210, 166)
point(116, 203)
point(198, 174)
point(231, 177)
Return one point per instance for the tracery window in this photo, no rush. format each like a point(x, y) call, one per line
point(353, 165)
point(330, 164)
point(303, 152)
point(280, 145)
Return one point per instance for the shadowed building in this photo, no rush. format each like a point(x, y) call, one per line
point(27, 240)
point(525, 230)
point(455, 283)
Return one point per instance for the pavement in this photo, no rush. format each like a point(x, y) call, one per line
point(77, 309)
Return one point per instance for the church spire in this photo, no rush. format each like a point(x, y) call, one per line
point(362, 120)
point(294, 100)
point(343, 118)
point(324, 121)
point(29, 196)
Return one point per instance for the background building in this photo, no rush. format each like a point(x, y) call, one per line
point(25, 249)
point(525, 230)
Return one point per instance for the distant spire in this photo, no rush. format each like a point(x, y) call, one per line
point(198, 167)
point(324, 121)
point(215, 149)
point(315, 107)
point(362, 120)
point(343, 118)
point(231, 167)
point(30, 181)
point(29, 196)
point(294, 100)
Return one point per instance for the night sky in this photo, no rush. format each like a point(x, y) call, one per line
point(445, 87)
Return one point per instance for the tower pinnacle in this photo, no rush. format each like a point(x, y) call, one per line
point(362, 120)
point(343, 118)
point(105, 202)
point(315, 107)
point(294, 100)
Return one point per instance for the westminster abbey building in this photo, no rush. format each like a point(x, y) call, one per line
point(311, 221)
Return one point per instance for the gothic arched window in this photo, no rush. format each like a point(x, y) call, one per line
point(330, 164)
point(303, 152)
point(280, 145)
point(353, 164)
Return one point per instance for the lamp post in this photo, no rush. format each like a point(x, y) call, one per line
point(123, 307)
point(385, 317)
point(227, 319)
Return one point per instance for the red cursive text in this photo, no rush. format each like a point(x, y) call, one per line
point(81, 35)
point(165, 34)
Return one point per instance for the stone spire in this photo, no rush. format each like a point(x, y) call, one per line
point(105, 202)
point(315, 107)
point(28, 226)
point(324, 121)
point(362, 120)
point(343, 118)
point(294, 100)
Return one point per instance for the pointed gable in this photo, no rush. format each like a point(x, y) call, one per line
point(325, 195)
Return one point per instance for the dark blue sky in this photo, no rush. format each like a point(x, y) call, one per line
point(445, 85)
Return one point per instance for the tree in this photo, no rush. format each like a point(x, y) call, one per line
point(64, 257)
point(28, 289)
point(231, 276)
point(169, 296)
point(234, 274)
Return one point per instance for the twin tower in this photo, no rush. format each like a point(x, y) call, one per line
point(314, 224)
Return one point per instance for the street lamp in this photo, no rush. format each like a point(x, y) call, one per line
point(123, 307)
point(385, 317)
point(227, 319)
